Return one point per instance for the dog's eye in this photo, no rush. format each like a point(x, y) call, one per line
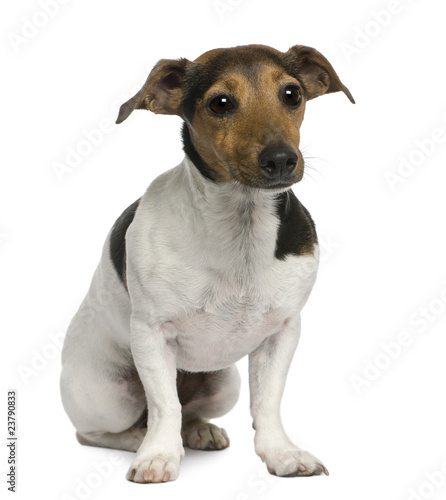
point(221, 105)
point(291, 96)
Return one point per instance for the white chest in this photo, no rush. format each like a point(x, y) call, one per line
point(233, 320)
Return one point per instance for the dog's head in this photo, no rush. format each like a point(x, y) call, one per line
point(242, 109)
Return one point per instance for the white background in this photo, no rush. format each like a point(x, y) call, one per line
point(383, 249)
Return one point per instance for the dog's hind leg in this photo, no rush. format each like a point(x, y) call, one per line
point(106, 405)
point(203, 396)
point(128, 440)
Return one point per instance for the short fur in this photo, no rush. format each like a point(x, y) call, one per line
point(213, 263)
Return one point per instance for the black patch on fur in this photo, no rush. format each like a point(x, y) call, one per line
point(197, 160)
point(297, 233)
point(117, 240)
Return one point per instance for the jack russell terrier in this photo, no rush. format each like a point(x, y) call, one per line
point(214, 262)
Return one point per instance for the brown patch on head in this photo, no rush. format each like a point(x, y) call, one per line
point(231, 143)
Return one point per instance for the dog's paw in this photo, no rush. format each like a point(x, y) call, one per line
point(201, 435)
point(154, 468)
point(293, 462)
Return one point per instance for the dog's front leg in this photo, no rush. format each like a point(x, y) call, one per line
point(268, 369)
point(159, 456)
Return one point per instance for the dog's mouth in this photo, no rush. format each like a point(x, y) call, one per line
point(279, 185)
point(259, 181)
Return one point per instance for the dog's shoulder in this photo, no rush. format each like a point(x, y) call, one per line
point(139, 218)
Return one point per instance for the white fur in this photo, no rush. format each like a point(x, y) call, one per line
point(204, 290)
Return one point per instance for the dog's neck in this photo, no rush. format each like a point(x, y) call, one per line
point(238, 222)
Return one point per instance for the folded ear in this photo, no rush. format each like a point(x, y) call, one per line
point(162, 92)
point(317, 73)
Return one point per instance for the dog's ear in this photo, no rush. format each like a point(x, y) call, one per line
point(317, 73)
point(162, 92)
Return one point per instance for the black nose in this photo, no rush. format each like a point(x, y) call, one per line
point(278, 163)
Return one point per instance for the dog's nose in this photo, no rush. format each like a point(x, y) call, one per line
point(277, 163)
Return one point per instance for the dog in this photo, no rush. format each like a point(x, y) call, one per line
point(214, 262)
